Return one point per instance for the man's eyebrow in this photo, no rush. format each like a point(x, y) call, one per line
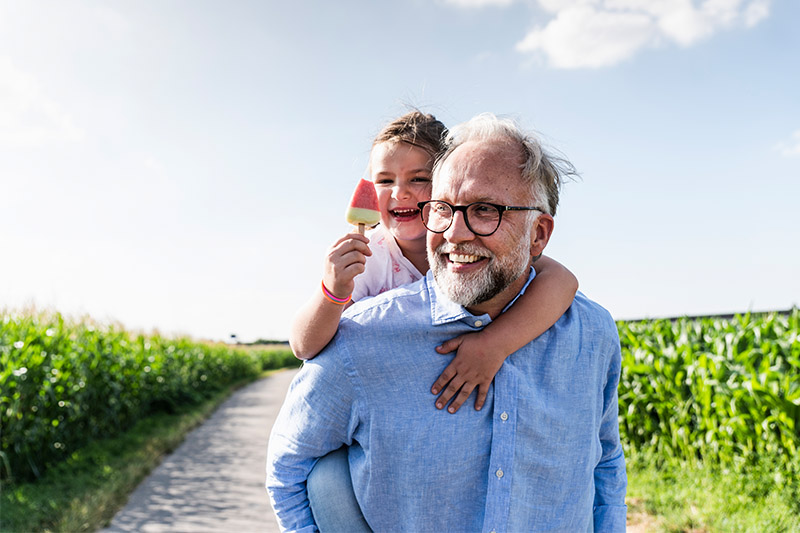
point(484, 199)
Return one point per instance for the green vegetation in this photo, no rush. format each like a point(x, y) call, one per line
point(706, 499)
point(67, 384)
point(83, 492)
point(709, 416)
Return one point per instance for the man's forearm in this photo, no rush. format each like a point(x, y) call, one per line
point(313, 421)
point(286, 485)
point(610, 477)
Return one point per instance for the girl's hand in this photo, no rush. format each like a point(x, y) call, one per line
point(343, 262)
point(474, 365)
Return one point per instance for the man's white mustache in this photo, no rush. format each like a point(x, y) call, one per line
point(464, 249)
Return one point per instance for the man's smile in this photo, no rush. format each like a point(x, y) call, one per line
point(463, 258)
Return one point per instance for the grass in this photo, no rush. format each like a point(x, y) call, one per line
point(710, 411)
point(678, 498)
point(84, 492)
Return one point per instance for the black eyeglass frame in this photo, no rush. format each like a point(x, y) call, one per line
point(463, 208)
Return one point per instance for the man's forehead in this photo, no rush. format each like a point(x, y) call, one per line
point(480, 167)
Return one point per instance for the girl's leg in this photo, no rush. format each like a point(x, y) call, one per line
point(330, 493)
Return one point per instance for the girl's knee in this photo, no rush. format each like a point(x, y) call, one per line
point(330, 476)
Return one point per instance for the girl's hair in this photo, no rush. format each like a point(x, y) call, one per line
point(415, 128)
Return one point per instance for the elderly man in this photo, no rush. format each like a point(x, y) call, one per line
point(544, 453)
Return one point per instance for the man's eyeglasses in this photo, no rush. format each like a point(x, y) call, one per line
point(482, 218)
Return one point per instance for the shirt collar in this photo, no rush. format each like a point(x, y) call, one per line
point(444, 310)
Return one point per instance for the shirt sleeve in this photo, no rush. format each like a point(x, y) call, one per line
point(317, 417)
point(610, 479)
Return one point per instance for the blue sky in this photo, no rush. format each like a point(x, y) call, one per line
point(183, 166)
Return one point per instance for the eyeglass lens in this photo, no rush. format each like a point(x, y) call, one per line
point(480, 218)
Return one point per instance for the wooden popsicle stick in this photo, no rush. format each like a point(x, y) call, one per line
point(361, 229)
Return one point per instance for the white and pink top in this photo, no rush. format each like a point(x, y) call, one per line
point(386, 268)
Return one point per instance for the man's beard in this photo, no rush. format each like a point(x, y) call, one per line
point(477, 287)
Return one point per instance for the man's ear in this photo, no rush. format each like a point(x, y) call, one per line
point(540, 234)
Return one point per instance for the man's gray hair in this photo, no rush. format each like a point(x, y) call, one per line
point(543, 171)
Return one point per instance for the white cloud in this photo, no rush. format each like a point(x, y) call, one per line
point(600, 33)
point(583, 37)
point(790, 148)
point(28, 116)
point(478, 3)
point(757, 11)
point(556, 6)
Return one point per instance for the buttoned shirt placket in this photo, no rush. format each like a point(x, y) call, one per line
point(501, 462)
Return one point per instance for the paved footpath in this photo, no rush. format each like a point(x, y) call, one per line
point(214, 482)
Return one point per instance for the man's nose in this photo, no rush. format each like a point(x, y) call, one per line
point(458, 230)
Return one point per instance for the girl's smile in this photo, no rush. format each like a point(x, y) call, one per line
point(402, 176)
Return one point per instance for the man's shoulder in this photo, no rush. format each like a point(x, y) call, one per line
point(591, 314)
point(372, 325)
point(397, 300)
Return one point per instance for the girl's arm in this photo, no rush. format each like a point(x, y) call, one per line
point(481, 354)
point(317, 321)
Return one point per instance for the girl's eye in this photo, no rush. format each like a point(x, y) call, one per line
point(383, 181)
point(421, 179)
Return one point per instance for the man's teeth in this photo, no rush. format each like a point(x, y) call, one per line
point(405, 212)
point(464, 258)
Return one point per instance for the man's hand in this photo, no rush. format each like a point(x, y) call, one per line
point(473, 366)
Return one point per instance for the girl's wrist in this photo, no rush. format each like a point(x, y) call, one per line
point(333, 298)
point(493, 346)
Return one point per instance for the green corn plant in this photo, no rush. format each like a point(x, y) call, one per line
point(64, 384)
point(725, 392)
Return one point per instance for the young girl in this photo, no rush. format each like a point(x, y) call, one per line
point(394, 254)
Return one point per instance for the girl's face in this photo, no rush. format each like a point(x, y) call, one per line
point(402, 176)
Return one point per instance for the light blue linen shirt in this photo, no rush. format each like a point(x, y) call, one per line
point(543, 454)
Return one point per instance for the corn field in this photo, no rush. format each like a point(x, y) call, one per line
point(717, 391)
point(63, 384)
point(724, 392)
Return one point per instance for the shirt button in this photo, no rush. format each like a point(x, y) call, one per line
point(504, 416)
point(499, 473)
point(478, 323)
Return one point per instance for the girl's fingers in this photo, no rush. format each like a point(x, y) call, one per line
point(480, 401)
point(345, 260)
point(338, 262)
point(463, 394)
point(451, 345)
point(353, 270)
point(340, 279)
point(352, 242)
point(353, 256)
point(345, 268)
point(443, 379)
point(449, 392)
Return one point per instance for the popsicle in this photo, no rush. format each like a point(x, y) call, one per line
point(364, 210)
